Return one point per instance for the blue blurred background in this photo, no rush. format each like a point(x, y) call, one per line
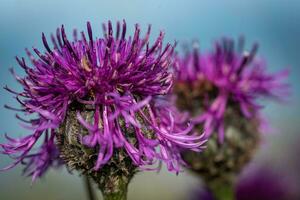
point(275, 24)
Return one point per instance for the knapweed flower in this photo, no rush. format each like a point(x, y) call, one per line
point(221, 91)
point(226, 77)
point(99, 103)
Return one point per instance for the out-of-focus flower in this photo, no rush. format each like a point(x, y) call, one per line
point(101, 101)
point(259, 183)
point(227, 77)
point(264, 183)
point(220, 89)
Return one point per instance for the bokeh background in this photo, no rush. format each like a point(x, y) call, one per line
point(275, 24)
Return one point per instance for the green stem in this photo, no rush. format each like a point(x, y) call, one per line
point(114, 177)
point(89, 188)
point(222, 191)
point(115, 188)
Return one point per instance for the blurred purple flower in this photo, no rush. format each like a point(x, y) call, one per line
point(237, 77)
point(118, 77)
point(260, 183)
point(263, 183)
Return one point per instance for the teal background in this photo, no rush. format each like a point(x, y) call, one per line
point(275, 24)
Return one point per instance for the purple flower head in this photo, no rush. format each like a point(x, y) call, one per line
point(226, 77)
point(122, 79)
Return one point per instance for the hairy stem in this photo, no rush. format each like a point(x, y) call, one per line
point(115, 187)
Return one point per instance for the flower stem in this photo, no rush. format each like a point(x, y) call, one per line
point(222, 191)
point(89, 189)
point(115, 188)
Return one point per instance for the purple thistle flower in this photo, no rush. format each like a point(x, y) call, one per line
point(121, 79)
point(229, 76)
